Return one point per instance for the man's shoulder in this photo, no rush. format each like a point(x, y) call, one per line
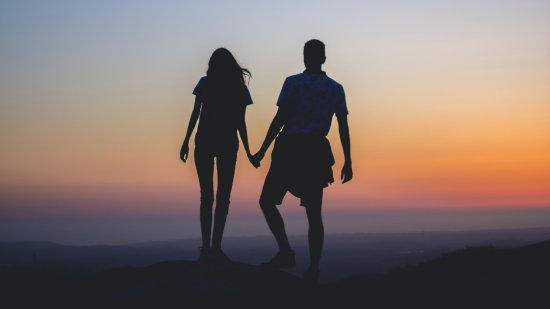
point(300, 77)
point(333, 82)
point(295, 77)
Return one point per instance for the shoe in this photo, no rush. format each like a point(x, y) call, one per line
point(312, 276)
point(204, 253)
point(218, 256)
point(283, 259)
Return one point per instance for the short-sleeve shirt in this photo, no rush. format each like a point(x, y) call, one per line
point(222, 109)
point(312, 99)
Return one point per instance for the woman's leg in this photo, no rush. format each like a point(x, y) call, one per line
point(205, 170)
point(226, 171)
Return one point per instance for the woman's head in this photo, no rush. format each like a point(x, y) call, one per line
point(223, 67)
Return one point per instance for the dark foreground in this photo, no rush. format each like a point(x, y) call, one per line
point(476, 277)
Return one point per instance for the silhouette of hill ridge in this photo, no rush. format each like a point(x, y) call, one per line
point(483, 276)
point(487, 260)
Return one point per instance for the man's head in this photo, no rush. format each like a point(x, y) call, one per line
point(314, 54)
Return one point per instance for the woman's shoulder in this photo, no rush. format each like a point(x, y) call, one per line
point(202, 81)
point(247, 96)
point(244, 86)
point(199, 88)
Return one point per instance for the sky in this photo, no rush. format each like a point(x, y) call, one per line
point(449, 105)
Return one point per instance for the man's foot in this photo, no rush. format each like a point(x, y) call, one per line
point(218, 256)
point(283, 259)
point(204, 253)
point(312, 276)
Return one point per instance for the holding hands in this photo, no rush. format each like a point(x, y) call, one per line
point(346, 174)
point(256, 159)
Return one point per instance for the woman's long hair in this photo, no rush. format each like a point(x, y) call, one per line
point(223, 69)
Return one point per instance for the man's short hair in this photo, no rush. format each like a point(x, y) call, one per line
point(314, 48)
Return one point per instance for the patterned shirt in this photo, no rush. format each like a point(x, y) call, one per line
point(312, 100)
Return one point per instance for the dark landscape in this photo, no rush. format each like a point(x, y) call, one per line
point(437, 269)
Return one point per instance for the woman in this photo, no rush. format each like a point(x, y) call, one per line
point(221, 98)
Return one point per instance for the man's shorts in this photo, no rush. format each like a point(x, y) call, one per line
point(300, 165)
point(274, 191)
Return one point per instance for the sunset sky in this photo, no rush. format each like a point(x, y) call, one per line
point(449, 107)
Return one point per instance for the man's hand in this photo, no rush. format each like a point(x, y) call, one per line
point(255, 163)
point(184, 152)
point(257, 158)
point(347, 173)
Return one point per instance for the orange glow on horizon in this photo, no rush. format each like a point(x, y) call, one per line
point(444, 113)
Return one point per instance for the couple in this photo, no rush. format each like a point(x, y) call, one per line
point(301, 160)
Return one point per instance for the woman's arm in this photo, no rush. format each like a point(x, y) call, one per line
point(244, 134)
point(184, 152)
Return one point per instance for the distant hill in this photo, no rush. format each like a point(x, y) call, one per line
point(474, 277)
point(344, 254)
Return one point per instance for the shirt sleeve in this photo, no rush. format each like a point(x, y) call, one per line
point(286, 94)
point(200, 88)
point(247, 97)
point(341, 105)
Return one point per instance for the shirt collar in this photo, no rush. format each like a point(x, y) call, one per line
point(315, 72)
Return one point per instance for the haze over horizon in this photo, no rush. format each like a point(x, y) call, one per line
point(449, 106)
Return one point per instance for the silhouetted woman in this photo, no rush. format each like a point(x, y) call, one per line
point(221, 98)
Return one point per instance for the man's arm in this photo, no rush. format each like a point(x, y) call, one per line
point(343, 128)
point(277, 124)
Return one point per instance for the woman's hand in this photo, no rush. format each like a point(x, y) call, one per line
point(184, 152)
point(256, 164)
point(257, 158)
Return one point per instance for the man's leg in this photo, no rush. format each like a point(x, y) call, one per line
point(276, 225)
point(285, 258)
point(316, 233)
point(273, 192)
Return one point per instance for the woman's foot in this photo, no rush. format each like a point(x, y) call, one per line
point(204, 253)
point(283, 259)
point(312, 275)
point(218, 256)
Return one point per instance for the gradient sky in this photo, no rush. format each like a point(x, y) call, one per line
point(449, 102)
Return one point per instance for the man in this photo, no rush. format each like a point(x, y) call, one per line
point(302, 158)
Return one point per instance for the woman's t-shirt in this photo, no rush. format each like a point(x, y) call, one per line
point(222, 109)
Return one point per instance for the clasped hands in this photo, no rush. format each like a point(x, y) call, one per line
point(256, 159)
point(346, 174)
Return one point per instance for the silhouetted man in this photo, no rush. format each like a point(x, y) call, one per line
point(302, 158)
